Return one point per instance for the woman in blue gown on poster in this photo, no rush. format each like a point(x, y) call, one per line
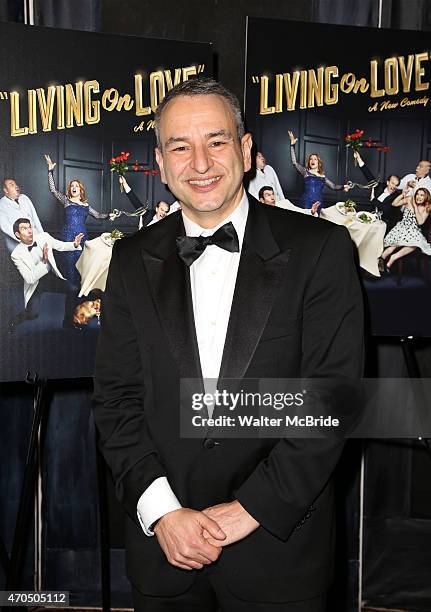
point(76, 209)
point(314, 178)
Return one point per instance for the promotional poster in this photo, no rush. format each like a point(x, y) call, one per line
point(78, 172)
point(340, 117)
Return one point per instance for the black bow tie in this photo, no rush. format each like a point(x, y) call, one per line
point(192, 247)
point(32, 245)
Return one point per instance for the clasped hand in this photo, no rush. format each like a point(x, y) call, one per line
point(181, 536)
point(192, 539)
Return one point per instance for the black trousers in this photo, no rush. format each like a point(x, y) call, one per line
point(209, 594)
point(50, 283)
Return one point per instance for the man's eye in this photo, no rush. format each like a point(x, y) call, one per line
point(217, 143)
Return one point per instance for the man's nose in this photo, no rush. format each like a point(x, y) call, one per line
point(201, 159)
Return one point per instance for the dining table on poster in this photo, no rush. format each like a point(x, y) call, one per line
point(93, 264)
point(368, 237)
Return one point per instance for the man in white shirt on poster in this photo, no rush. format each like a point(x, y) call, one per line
point(15, 205)
point(265, 175)
point(420, 178)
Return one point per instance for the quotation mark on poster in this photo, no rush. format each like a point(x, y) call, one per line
point(200, 68)
point(255, 79)
point(4, 95)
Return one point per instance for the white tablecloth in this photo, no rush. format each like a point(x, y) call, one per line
point(93, 265)
point(368, 237)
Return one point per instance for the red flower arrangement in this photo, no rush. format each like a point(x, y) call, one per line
point(138, 167)
point(356, 141)
point(121, 165)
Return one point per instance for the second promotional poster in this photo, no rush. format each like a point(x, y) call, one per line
point(78, 173)
point(341, 121)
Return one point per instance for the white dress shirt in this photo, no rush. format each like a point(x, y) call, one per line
point(425, 181)
point(263, 178)
point(212, 280)
point(385, 193)
point(11, 211)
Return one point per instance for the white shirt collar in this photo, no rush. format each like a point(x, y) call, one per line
point(11, 200)
point(238, 218)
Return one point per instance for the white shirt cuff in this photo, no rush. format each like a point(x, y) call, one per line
point(127, 188)
point(157, 500)
point(361, 163)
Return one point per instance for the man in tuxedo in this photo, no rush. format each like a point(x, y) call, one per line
point(382, 195)
point(34, 258)
point(267, 196)
point(225, 289)
point(384, 192)
point(152, 215)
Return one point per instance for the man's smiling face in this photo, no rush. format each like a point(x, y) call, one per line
point(201, 158)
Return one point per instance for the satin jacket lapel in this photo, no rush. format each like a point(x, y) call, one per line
point(261, 270)
point(169, 281)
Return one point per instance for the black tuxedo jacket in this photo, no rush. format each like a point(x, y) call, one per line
point(136, 203)
point(296, 311)
point(391, 214)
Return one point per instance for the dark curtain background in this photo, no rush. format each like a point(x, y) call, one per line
point(397, 14)
point(222, 22)
point(71, 14)
point(397, 519)
point(12, 10)
point(350, 12)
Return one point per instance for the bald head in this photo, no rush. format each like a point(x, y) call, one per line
point(423, 168)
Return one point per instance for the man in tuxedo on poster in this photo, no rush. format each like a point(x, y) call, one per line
point(382, 194)
point(230, 288)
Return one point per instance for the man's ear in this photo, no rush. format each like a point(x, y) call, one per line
point(246, 144)
point(159, 160)
point(262, 200)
